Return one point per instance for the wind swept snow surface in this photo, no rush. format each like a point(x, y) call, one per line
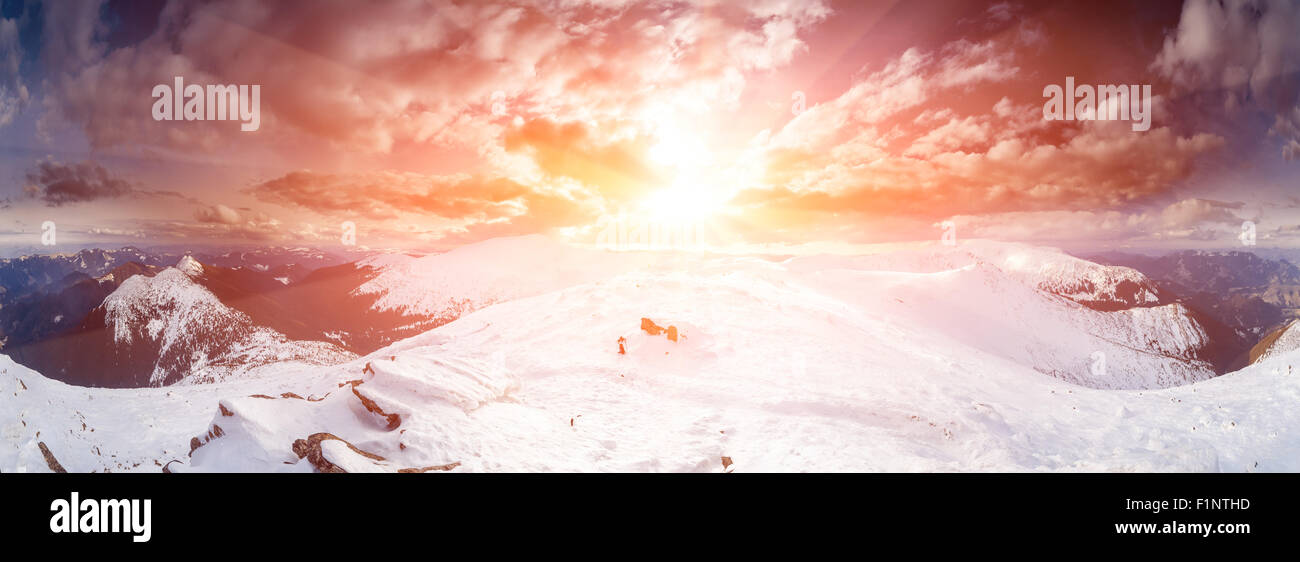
point(809, 364)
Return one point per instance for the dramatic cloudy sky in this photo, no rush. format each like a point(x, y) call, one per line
point(433, 123)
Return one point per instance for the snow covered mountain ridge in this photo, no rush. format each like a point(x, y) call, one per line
point(1100, 286)
point(1120, 313)
point(197, 337)
point(1281, 342)
point(939, 358)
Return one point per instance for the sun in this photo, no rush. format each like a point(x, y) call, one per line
point(696, 192)
point(679, 150)
point(683, 202)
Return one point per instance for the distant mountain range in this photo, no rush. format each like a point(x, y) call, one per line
point(134, 318)
point(1241, 297)
point(23, 275)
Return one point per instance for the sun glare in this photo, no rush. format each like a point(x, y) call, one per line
point(696, 192)
point(683, 203)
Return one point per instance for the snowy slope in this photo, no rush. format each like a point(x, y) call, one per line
point(471, 277)
point(103, 429)
point(193, 335)
point(731, 388)
point(1085, 282)
point(982, 307)
point(816, 364)
point(990, 295)
point(1281, 342)
point(878, 363)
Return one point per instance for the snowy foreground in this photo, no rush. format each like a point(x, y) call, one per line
point(932, 360)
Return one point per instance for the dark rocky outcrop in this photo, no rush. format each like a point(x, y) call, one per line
point(391, 421)
point(309, 449)
point(434, 468)
point(50, 461)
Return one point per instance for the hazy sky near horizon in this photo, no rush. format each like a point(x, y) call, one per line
point(432, 123)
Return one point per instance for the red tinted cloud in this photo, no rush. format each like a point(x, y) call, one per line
point(217, 214)
point(1189, 219)
point(388, 195)
point(408, 72)
point(498, 119)
point(617, 168)
point(893, 144)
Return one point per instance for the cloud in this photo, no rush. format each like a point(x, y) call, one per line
point(72, 35)
point(554, 112)
point(59, 184)
point(270, 230)
point(1095, 169)
point(117, 232)
point(412, 72)
point(218, 214)
point(953, 135)
point(893, 145)
point(387, 194)
point(1244, 53)
point(1187, 219)
point(56, 184)
point(468, 200)
point(618, 168)
point(13, 92)
point(1190, 213)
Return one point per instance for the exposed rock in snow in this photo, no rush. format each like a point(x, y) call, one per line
point(190, 266)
